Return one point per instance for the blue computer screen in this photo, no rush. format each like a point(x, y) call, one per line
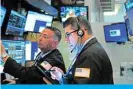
point(16, 24)
point(129, 9)
point(31, 50)
point(128, 26)
point(115, 33)
point(128, 4)
point(130, 14)
point(15, 49)
point(73, 11)
point(2, 14)
point(36, 22)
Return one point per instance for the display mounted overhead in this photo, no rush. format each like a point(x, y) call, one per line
point(73, 11)
point(36, 22)
point(16, 24)
point(43, 5)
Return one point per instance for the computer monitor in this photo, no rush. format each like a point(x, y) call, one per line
point(15, 49)
point(16, 24)
point(36, 22)
point(128, 26)
point(115, 33)
point(73, 11)
point(2, 14)
point(128, 4)
point(129, 9)
point(31, 50)
point(130, 14)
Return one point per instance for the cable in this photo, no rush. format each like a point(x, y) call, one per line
point(75, 46)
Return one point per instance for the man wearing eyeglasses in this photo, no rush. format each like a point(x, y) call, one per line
point(49, 56)
point(91, 64)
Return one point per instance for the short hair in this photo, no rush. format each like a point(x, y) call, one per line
point(77, 22)
point(57, 32)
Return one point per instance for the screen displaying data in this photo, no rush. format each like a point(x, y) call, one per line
point(15, 49)
point(73, 11)
point(36, 22)
point(16, 24)
point(2, 14)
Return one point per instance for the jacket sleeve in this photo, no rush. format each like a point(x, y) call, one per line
point(15, 69)
point(57, 60)
point(87, 70)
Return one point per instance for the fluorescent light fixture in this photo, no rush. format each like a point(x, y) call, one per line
point(117, 8)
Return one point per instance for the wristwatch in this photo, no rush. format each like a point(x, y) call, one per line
point(4, 55)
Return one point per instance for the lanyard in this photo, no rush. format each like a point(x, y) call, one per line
point(37, 58)
point(40, 55)
point(71, 64)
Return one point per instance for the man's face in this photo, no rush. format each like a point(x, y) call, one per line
point(71, 37)
point(46, 40)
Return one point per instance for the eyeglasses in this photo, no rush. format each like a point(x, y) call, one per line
point(69, 33)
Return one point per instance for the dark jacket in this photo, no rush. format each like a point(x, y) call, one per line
point(92, 66)
point(32, 75)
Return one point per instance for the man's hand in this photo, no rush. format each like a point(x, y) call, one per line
point(3, 51)
point(57, 74)
point(9, 81)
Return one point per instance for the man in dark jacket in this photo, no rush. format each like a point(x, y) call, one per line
point(91, 64)
point(49, 56)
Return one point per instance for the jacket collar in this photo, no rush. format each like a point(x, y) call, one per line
point(88, 44)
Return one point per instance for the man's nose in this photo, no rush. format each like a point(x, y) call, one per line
point(67, 39)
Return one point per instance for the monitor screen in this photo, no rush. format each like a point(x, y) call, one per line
point(37, 22)
point(16, 24)
point(31, 50)
point(128, 4)
point(115, 33)
point(130, 14)
point(128, 26)
point(73, 11)
point(15, 49)
point(129, 9)
point(2, 14)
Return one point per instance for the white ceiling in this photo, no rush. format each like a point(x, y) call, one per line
point(110, 5)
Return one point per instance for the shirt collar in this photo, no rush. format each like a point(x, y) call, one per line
point(44, 54)
point(88, 40)
point(79, 49)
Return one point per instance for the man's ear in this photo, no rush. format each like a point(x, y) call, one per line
point(83, 28)
point(55, 43)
